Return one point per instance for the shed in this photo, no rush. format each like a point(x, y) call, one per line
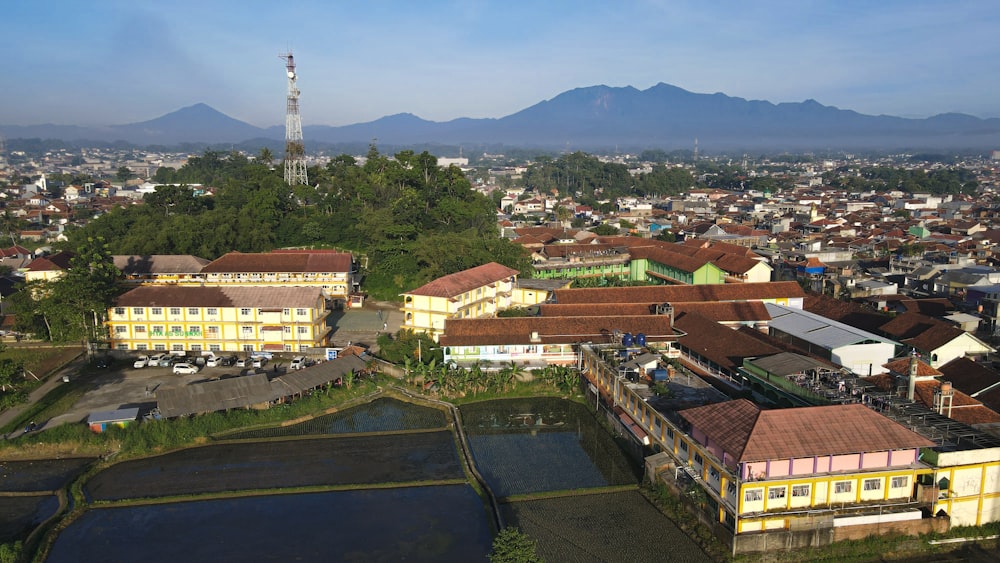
point(101, 421)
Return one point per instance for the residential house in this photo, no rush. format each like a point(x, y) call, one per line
point(48, 268)
point(936, 340)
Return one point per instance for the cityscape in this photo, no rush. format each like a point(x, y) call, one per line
point(615, 323)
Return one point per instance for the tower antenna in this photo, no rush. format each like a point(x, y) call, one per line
point(295, 153)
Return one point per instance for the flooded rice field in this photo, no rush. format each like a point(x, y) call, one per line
point(442, 523)
point(519, 447)
point(523, 446)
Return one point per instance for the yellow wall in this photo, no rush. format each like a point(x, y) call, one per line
point(228, 329)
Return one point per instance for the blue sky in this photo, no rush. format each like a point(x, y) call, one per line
point(121, 61)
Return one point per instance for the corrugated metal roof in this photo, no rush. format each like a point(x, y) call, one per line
point(211, 396)
point(787, 363)
point(818, 330)
point(254, 389)
point(135, 264)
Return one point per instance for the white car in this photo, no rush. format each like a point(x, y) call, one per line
point(259, 362)
point(243, 362)
point(185, 369)
point(213, 361)
point(141, 362)
point(298, 362)
point(154, 360)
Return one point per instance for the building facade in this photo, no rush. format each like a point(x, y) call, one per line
point(221, 319)
point(474, 293)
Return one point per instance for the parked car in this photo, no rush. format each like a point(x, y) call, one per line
point(259, 362)
point(185, 368)
point(214, 361)
point(298, 362)
point(140, 362)
point(167, 361)
point(243, 362)
point(228, 361)
point(154, 360)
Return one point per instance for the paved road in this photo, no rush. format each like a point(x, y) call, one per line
point(71, 369)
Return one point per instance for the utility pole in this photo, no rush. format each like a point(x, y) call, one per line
point(295, 164)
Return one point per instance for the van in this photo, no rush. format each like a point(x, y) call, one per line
point(298, 362)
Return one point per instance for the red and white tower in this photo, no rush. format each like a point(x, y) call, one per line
point(295, 152)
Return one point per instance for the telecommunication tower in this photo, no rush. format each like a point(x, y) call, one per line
point(295, 152)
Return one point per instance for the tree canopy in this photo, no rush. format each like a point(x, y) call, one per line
point(409, 219)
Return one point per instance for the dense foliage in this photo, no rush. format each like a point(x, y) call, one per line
point(408, 220)
point(881, 178)
point(590, 179)
point(513, 546)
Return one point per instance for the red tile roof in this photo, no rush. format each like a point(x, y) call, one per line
point(55, 262)
point(198, 296)
point(722, 345)
point(553, 330)
point(681, 293)
point(799, 432)
point(458, 283)
point(319, 262)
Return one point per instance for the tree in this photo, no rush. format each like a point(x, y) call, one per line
point(513, 546)
point(124, 174)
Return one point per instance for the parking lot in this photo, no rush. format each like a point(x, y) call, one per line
point(123, 386)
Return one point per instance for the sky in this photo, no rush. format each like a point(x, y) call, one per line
point(107, 62)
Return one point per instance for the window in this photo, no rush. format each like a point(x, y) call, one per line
point(248, 347)
point(698, 459)
point(136, 310)
point(215, 347)
point(141, 347)
point(176, 330)
point(121, 329)
point(175, 310)
point(212, 311)
point(842, 487)
point(194, 331)
point(670, 433)
point(286, 329)
point(245, 311)
point(192, 311)
point(140, 329)
point(301, 312)
point(873, 484)
point(177, 347)
point(731, 489)
point(286, 312)
point(800, 490)
point(119, 310)
point(247, 330)
point(212, 331)
point(160, 348)
point(753, 495)
point(122, 347)
point(684, 446)
point(196, 347)
point(776, 493)
point(157, 311)
point(899, 482)
point(158, 330)
point(713, 473)
point(304, 347)
point(303, 330)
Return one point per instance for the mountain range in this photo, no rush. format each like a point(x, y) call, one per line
point(596, 117)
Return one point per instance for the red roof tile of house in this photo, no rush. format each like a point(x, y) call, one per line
point(198, 296)
point(920, 331)
point(799, 432)
point(235, 262)
point(681, 293)
point(722, 345)
point(55, 262)
point(458, 283)
point(553, 330)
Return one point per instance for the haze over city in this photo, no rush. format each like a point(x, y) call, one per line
point(120, 61)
